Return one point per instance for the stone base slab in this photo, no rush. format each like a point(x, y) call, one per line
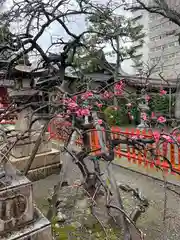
point(40, 229)
point(41, 173)
point(41, 160)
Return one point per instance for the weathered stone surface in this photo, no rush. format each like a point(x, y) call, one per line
point(16, 207)
point(24, 119)
point(74, 206)
point(39, 229)
point(43, 172)
point(41, 160)
point(25, 147)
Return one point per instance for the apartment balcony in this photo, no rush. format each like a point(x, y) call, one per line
point(164, 45)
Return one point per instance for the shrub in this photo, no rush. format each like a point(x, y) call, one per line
point(117, 117)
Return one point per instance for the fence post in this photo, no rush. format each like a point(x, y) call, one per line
point(172, 155)
point(128, 148)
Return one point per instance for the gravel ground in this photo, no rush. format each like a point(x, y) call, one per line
point(151, 223)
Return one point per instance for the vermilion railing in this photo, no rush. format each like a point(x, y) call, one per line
point(124, 151)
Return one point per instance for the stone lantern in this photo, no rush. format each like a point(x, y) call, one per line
point(144, 108)
point(19, 218)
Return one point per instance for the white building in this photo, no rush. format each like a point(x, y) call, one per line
point(161, 50)
point(143, 50)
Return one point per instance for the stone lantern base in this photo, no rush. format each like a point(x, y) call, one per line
point(19, 218)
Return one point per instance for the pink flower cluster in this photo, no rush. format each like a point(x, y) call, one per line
point(118, 88)
point(100, 121)
point(168, 138)
point(162, 92)
point(87, 95)
point(73, 107)
point(83, 112)
point(99, 105)
point(107, 95)
point(161, 119)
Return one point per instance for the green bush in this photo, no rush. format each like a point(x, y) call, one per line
point(161, 103)
point(116, 117)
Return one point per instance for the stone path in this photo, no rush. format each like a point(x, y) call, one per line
point(152, 221)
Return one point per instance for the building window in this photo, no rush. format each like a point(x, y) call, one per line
point(173, 44)
point(158, 48)
point(164, 46)
point(171, 55)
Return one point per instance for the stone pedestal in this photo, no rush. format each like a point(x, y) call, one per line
point(47, 160)
point(143, 125)
point(18, 217)
point(39, 229)
point(16, 207)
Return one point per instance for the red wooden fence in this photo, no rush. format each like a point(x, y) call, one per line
point(169, 150)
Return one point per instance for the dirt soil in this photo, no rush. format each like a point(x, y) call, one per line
point(151, 223)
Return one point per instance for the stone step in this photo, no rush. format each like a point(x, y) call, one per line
point(41, 160)
point(43, 172)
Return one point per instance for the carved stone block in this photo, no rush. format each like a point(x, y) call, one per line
point(16, 204)
point(25, 147)
point(39, 229)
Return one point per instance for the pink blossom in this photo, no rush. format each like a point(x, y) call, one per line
point(161, 119)
point(83, 112)
point(144, 116)
point(119, 86)
point(134, 137)
point(147, 97)
point(162, 92)
point(115, 108)
point(167, 138)
point(78, 112)
point(87, 95)
point(99, 104)
point(118, 93)
point(156, 136)
point(128, 104)
point(99, 121)
point(107, 95)
point(72, 105)
point(141, 137)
